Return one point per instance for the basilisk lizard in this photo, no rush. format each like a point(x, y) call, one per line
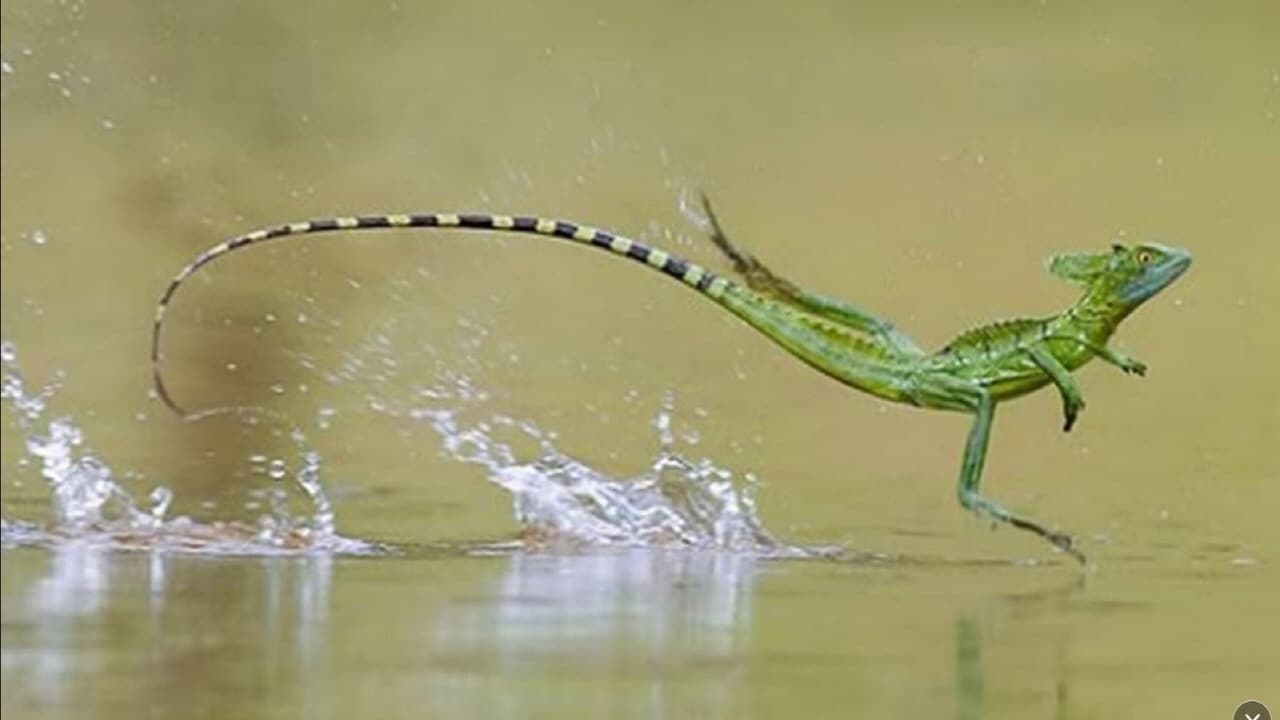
point(971, 374)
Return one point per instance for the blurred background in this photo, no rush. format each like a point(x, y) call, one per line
point(921, 161)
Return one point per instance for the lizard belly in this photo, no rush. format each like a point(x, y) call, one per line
point(1027, 377)
point(1016, 374)
point(1005, 388)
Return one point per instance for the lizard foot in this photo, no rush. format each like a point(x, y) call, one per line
point(1062, 541)
point(1135, 367)
point(1070, 412)
point(1066, 544)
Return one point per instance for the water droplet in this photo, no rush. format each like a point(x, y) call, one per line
point(160, 498)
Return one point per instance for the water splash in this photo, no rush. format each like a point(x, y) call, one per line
point(560, 501)
point(89, 506)
point(83, 491)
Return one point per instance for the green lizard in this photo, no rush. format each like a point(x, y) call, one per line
point(973, 372)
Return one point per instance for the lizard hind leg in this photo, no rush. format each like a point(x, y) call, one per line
point(764, 281)
point(949, 394)
point(758, 277)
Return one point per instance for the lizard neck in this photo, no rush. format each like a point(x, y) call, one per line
point(1097, 314)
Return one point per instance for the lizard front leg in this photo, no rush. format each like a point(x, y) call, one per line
point(1109, 355)
point(1122, 361)
point(1072, 399)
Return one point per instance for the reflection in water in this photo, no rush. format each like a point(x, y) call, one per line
point(659, 597)
point(627, 633)
point(679, 619)
point(76, 586)
point(970, 685)
point(172, 632)
point(971, 698)
point(139, 626)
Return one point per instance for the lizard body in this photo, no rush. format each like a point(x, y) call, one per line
point(980, 367)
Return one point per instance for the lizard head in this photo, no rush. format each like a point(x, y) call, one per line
point(1126, 275)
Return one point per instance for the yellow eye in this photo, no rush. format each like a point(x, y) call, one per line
point(1144, 257)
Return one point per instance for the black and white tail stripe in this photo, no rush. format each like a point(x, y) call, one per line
point(675, 266)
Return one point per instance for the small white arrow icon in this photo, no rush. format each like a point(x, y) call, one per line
point(1247, 716)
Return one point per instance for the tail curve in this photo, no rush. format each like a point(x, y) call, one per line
point(693, 275)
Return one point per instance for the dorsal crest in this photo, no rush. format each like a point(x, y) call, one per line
point(992, 335)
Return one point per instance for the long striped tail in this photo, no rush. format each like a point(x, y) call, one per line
point(688, 273)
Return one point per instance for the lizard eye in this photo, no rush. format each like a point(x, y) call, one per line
point(1144, 257)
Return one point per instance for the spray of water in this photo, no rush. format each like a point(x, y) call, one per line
point(90, 507)
point(558, 501)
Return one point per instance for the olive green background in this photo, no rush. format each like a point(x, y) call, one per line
point(921, 161)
